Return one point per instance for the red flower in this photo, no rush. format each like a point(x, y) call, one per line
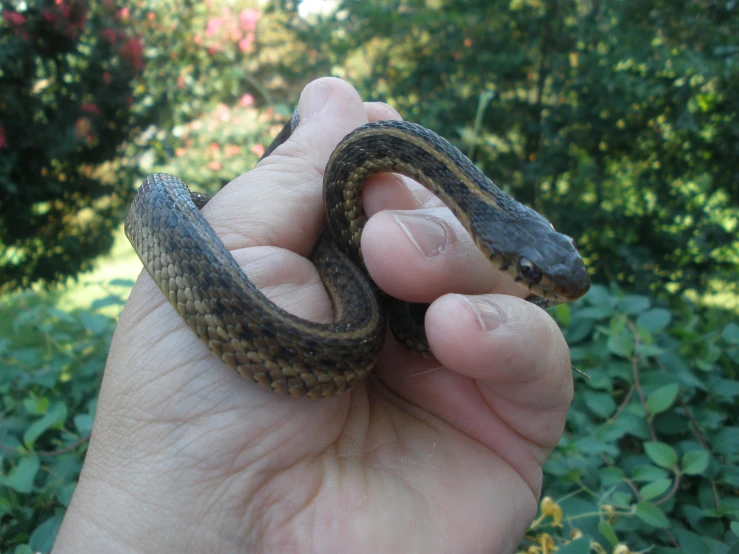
point(123, 14)
point(14, 18)
point(107, 77)
point(90, 107)
point(133, 52)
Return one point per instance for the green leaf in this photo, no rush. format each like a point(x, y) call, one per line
point(35, 405)
point(610, 476)
point(600, 403)
point(652, 515)
point(731, 333)
point(594, 312)
point(21, 477)
point(96, 324)
point(633, 304)
point(54, 416)
point(654, 320)
point(734, 526)
point(621, 344)
point(648, 473)
point(43, 536)
point(655, 489)
point(726, 440)
point(661, 399)
point(608, 533)
point(695, 462)
point(562, 314)
point(661, 454)
point(691, 542)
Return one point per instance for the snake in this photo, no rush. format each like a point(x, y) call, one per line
point(290, 355)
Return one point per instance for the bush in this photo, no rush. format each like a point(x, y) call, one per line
point(52, 365)
point(651, 451)
point(88, 106)
point(67, 89)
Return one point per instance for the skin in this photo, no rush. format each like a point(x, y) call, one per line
point(427, 456)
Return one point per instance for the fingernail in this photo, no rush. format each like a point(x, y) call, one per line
point(313, 100)
point(488, 314)
point(429, 234)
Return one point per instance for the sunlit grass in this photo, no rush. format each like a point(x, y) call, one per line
point(108, 277)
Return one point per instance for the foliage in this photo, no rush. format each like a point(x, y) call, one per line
point(52, 364)
point(65, 94)
point(651, 451)
point(650, 455)
point(86, 105)
point(623, 113)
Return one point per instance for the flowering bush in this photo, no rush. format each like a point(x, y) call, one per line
point(88, 105)
point(69, 68)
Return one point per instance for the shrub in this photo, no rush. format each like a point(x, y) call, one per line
point(67, 86)
point(649, 458)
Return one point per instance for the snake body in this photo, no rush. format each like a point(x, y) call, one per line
point(290, 355)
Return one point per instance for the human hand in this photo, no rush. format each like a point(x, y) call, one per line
point(186, 456)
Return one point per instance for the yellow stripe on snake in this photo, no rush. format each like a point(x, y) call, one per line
point(290, 355)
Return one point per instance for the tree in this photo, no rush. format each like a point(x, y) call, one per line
point(617, 120)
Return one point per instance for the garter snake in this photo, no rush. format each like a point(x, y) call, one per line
point(289, 355)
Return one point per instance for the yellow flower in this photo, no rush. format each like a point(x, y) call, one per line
point(549, 507)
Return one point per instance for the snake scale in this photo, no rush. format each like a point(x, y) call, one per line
point(289, 355)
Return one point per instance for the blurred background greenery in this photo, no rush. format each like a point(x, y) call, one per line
point(617, 120)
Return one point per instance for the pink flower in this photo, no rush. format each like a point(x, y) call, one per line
point(14, 18)
point(246, 42)
point(248, 19)
point(90, 107)
point(258, 149)
point(246, 100)
point(215, 165)
point(107, 77)
point(123, 14)
point(180, 82)
point(213, 26)
point(214, 147)
point(3, 141)
point(232, 150)
point(222, 112)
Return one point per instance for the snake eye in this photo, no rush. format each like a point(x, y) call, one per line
point(529, 271)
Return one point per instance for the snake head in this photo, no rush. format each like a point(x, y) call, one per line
point(540, 258)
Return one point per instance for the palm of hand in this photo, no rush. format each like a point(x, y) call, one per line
point(421, 458)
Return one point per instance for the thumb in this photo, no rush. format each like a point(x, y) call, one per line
point(328, 110)
point(280, 202)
